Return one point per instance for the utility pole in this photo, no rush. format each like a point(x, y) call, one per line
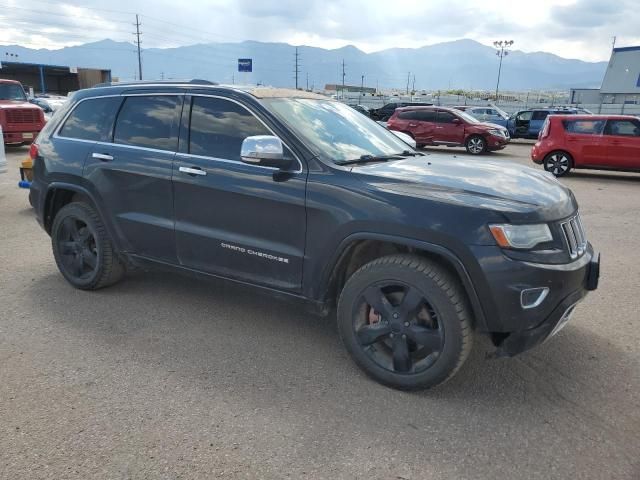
point(307, 81)
point(137, 34)
point(361, 90)
point(297, 67)
point(501, 52)
point(408, 78)
point(413, 88)
point(343, 75)
point(233, 79)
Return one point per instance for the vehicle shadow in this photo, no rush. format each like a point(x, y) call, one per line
point(273, 358)
point(597, 176)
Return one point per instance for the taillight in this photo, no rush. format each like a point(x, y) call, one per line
point(33, 151)
point(544, 133)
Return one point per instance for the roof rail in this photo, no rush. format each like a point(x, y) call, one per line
point(194, 81)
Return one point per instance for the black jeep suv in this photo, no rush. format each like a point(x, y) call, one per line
point(302, 196)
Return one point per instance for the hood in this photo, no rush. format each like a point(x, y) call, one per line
point(521, 193)
point(490, 125)
point(18, 104)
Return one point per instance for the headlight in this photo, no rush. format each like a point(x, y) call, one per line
point(521, 236)
point(498, 133)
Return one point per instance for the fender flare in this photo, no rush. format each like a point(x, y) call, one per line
point(449, 256)
point(47, 222)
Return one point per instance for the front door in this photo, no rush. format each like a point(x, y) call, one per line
point(449, 128)
point(234, 219)
point(622, 138)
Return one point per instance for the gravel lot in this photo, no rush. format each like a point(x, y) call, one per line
point(165, 377)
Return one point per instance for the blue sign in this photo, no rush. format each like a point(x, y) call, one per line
point(245, 65)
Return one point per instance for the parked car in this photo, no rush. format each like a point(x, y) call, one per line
point(363, 109)
point(450, 127)
point(49, 103)
point(384, 113)
point(528, 123)
point(20, 120)
point(415, 254)
point(604, 142)
point(486, 114)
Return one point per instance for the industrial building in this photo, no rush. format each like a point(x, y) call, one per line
point(621, 83)
point(53, 79)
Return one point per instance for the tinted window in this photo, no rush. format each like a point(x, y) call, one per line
point(149, 121)
point(426, 116)
point(445, 117)
point(539, 115)
point(219, 126)
point(585, 127)
point(92, 119)
point(410, 115)
point(627, 128)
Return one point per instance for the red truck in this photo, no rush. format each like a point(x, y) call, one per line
point(21, 121)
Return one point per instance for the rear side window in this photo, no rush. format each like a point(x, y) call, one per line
point(92, 120)
point(219, 126)
point(410, 115)
point(149, 121)
point(626, 128)
point(426, 116)
point(584, 127)
point(539, 115)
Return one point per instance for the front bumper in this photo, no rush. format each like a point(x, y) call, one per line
point(514, 328)
point(497, 142)
point(19, 137)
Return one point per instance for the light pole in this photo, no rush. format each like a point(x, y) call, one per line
point(501, 46)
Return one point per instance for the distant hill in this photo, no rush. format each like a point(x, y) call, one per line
point(459, 64)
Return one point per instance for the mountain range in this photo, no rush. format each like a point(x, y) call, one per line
point(464, 64)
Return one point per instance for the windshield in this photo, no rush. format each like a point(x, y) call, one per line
point(467, 117)
point(11, 91)
point(335, 131)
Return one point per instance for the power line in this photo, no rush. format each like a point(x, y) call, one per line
point(137, 34)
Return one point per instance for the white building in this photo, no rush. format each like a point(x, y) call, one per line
point(621, 83)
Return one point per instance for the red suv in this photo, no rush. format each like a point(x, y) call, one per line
point(450, 127)
point(605, 142)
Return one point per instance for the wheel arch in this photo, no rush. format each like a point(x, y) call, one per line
point(59, 194)
point(361, 248)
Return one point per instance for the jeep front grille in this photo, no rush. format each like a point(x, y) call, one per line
point(17, 115)
point(574, 236)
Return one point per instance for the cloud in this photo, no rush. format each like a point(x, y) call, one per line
point(570, 28)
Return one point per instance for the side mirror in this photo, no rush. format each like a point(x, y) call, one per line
point(264, 150)
point(456, 121)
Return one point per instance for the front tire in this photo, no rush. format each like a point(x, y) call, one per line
point(82, 249)
point(558, 163)
point(405, 322)
point(476, 145)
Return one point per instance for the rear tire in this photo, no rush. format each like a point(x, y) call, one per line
point(405, 322)
point(558, 163)
point(82, 248)
point(476, 145)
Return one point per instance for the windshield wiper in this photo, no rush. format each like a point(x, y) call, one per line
point(379, 158)
point(369, 158)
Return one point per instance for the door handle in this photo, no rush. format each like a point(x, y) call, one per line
point(439, 127)
point(192, 170)
point(413, 124)
point(102, 156)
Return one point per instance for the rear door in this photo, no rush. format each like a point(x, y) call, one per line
point(132, 174)
point(426, 125)
point(447, 131)
point(584, 140)
point(622, 138)
point(235, 219)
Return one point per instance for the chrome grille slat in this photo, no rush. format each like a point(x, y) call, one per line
point(574, 236)
point(16, 115)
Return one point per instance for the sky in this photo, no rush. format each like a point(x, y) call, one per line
point(582, 29)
